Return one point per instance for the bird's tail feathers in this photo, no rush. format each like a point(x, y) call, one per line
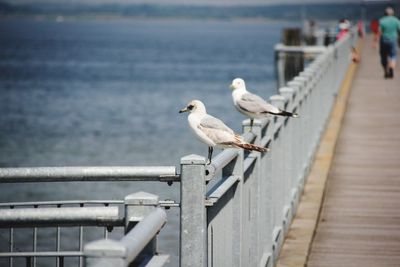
point(248, 146)
point(287, 114)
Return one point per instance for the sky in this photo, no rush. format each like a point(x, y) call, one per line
point(189, 2)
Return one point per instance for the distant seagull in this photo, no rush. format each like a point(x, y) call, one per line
point(213, 131)
point(252, 105)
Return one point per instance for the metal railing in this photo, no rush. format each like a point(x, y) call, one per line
point(135, 214)
point(240, 217)
point(76, 174)
point(233, 212)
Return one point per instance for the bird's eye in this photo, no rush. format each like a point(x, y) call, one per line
point(190, 107)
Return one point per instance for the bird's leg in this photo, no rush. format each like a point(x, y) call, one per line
point(210, 151)
point(251, 124)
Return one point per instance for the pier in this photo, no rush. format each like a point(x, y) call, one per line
point(359, 224)
point(325, 195)
point(358, 169)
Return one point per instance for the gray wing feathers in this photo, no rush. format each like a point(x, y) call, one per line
point(210, 122)
point(216, 130)
point(255, 104)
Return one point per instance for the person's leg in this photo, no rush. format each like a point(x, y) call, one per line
point(392, 58)
point(383, 51)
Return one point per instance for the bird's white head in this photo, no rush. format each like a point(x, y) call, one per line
point(238, 83)
point(194, 106)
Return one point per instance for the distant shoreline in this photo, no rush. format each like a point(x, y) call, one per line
point(278, 12)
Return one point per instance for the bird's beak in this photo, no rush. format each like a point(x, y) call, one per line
point(231, 86)
point(183, 110)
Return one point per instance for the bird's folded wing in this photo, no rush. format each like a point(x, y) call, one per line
point(255, 104)
point(216, 130)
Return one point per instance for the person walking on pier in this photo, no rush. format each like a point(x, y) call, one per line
point(388, 27)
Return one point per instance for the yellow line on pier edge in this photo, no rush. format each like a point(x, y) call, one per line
point(297, 244)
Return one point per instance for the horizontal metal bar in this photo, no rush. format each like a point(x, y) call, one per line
point(63, 202)
point(218, 192)
point(42, 254)
point(263, 122)
point(168, 203)
point(68, 174)
point(220, 161)
point(163, 203)
point(129, 247)
point(300, 49)
point(75, 216)
point(248, 161)
point(226, 156)
point(143, 233)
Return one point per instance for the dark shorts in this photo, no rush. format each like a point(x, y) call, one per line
point(388, 48)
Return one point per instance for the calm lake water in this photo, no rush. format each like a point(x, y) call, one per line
point(108, 93)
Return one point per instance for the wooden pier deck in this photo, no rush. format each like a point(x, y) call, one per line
point(359, 224)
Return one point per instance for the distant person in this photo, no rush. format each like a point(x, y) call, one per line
point(360, 29)
point(374, 26)
point(355, 56)
point(309, 32)
point(388, 27)
point(344, 27)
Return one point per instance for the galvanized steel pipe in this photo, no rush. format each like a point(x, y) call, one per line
point(71, 174)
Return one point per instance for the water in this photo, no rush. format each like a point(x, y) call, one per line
point(108, 93)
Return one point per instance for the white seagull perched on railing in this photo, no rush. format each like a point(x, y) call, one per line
point(252, 105)
point(213, 131)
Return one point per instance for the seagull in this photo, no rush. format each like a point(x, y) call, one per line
point(213, 131)
point(252, 105)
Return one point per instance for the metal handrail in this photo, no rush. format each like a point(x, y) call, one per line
point(59, 203)
point(41, 254)
point(317, 49)
point(71, 216)
point(217, 192)
point(142, 233)
point(108, 252)
point(73, 174)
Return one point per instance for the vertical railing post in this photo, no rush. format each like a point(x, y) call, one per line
point(311, 129)
point(297, 136)
point(137, 207)
point(305, 117)
point(297, 129)
point(266, 190)
point(279, 101)
point(278, 177)
point(235, 168)
point(254, 208)
point(292, 193)
point(280, 57)
point(193, 223)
